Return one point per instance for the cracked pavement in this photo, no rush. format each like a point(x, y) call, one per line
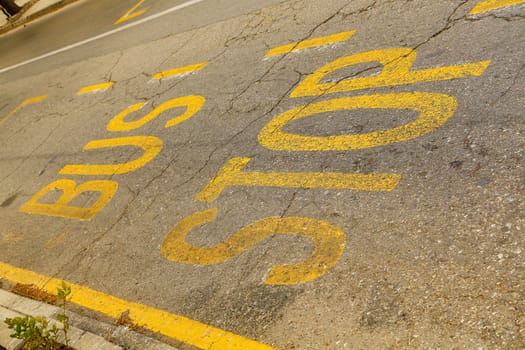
point(437, 262)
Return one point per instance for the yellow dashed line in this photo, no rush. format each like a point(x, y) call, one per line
point(180, 71)
point(95, 88)
point(490, 5)
point(24, 103)
point(325, 40)
point(174, 326)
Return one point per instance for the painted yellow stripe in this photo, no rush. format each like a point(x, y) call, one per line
point(130, 14)
point(490, 5)
point(95, 88)
point(35, 99)
point(180, 71)
point(177, 327)
point(325, 40)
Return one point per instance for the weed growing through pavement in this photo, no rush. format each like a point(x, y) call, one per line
point(37, 333)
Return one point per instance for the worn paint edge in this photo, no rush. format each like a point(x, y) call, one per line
point(179, 71)
point(174, 326)
point(306, 44)
point(490, 5)
point(95, 88)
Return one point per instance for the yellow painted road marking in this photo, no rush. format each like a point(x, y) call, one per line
point(298, 46)
point(55, 241)
point(35, 99)
point(95, 88)
point(130, 14)
point(193, 104)
point(151, 145)
point(328, 245)
point(174, 326)
point(179, 71)
point(434, 110)
point(490, 5)
point(231, 174)
point(397, 70)
point(70, 191)
point(12, 237)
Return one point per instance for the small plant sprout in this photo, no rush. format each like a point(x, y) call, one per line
point(36, 332)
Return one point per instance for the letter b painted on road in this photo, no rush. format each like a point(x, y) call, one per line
point(62, 208)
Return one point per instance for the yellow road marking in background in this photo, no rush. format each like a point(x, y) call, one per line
point(12, 237)
point(24, 103)
point(325, 40)
point(130, 14)
point(95, 88)
point(55, 241)
point(174, 326)
point(490, 5)
point(179, 71)
point(397, 70)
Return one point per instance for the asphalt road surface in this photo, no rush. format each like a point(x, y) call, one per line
point(291, 174)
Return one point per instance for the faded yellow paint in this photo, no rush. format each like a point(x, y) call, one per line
point(55, 241)
point(35, 99)
point(183, 329)
point(95, 88)
point(193, 104)
point(490, 5)
point(434, 110)
point(179, 71)
point(130, 14)
point(11, 237)
point(151, 146)
point(396, 64)
point(70, 191)
point(231, 174)
point(328, 245)
point(306, 44)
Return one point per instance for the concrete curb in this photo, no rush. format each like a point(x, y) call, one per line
point(20, 19)
point(81, 333)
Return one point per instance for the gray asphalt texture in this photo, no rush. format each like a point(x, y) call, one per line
point(436, 263)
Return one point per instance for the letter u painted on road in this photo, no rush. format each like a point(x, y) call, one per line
point(150, 145)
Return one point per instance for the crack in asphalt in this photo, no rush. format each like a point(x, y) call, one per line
point(290, 202)
point(25, 158)
point(513, 82)
point(252, 23)
point(449, 23)
point(109, 74)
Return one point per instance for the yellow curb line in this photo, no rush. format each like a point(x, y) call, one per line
point(174, 326)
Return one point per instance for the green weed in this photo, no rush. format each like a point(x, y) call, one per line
point(37, 333)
